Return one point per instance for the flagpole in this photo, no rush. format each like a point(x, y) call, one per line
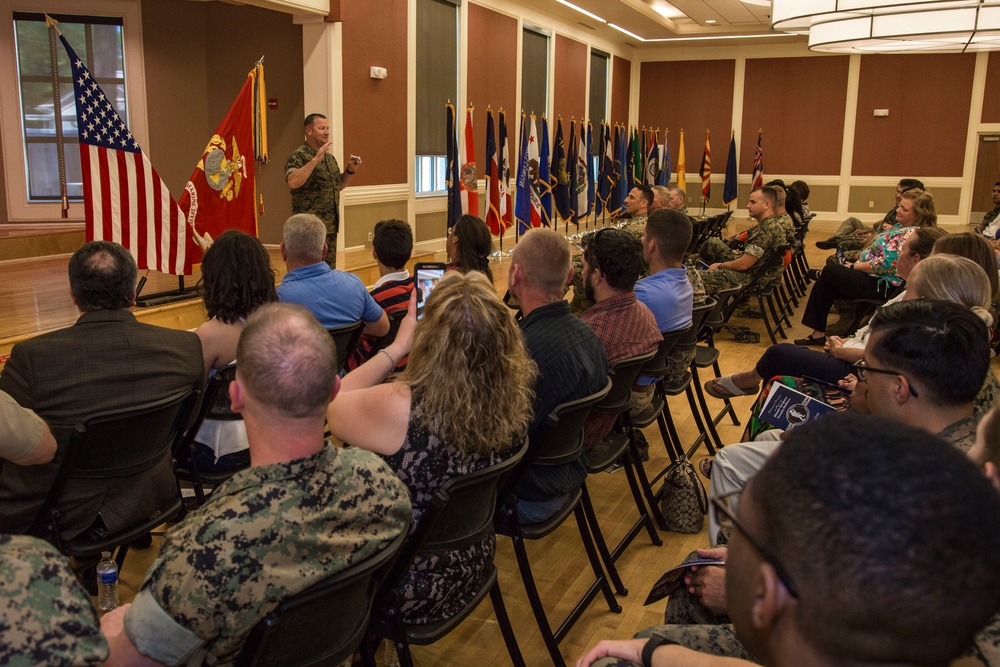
point(57, 108)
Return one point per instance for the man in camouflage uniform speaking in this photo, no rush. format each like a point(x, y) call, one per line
point(315, 179)
point(728, 268)
point(303, 511)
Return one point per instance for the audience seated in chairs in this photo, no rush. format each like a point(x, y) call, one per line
point(106, 361)
point(303, 511)
point(469, 246)
point(854, 234)
point(336, 298)
point(236, 279)
point(839, 354)
point(392, 246)
point(873, 276)
point(946, 355)
point(463, 404)
point(820, 573)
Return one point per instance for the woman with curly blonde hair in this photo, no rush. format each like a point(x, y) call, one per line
point(463, 404)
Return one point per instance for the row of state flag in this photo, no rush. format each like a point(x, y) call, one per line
point(557, 180)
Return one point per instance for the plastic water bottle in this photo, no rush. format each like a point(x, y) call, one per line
point(107, 582)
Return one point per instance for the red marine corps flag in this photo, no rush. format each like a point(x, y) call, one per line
point(221, 193)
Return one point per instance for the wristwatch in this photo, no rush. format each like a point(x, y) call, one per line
point(652, 644)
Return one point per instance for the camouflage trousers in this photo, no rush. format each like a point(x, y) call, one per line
point(692, 626)
point(580, 302)
point(715, 250)
point(331, 248)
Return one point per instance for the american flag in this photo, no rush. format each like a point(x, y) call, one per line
point(124, 199)
point(758, 163)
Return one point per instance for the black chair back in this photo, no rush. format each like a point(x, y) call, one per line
point(657, 366)
point(560, 435)
point(716, 319)
point(395, 319)
point(460, 514)
point(623, 375)
point(325, 623)
point(346, 339)
point(116, 443)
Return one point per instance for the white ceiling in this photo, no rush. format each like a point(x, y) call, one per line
point(690, 19)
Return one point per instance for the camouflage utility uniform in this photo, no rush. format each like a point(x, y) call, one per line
point(46, 617)
point(319, 195)
point(760, 241)
point(267, 533)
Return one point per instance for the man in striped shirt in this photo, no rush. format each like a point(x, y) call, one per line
point(392, 246)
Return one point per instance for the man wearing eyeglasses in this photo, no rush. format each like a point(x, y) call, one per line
point(923, 366)
point(845, 567)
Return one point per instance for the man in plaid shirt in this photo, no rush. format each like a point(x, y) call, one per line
point(625, 327)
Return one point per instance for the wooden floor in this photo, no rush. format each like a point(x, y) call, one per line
point(561, 568)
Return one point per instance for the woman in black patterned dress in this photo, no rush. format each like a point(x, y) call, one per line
point(463, 403)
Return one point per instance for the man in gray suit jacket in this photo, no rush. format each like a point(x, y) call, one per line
point(106, 361)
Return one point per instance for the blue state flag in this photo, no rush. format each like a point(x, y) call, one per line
point(452, 182)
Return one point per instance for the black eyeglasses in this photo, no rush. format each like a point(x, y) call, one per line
point(861, 370)
point(720, 504)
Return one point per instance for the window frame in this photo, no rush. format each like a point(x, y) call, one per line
point(19, 209)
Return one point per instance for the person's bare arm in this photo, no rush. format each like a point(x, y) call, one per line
point(742, 263)
point(298, 178)
point(379, 327)
point(353, 163)
point(664, 655)
point(123, 652)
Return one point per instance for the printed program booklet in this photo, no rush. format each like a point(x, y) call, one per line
point(786, 408)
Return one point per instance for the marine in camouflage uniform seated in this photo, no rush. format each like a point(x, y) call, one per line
point(46, 617)
point(761, 239)
point(302, 512)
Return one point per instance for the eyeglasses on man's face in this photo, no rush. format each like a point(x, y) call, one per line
point(720, 505)
point(862, 369)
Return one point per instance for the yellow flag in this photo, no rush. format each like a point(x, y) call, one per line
point(681, 173)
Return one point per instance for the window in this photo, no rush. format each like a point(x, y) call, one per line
point(598, 103)
point(98, 42)
point(534, 72)
point(436, 84)
point(110, 39)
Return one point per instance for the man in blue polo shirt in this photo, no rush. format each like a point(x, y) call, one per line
point(667, 290)
point(336, 298)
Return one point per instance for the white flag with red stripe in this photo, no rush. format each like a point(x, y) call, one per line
point(468, 177)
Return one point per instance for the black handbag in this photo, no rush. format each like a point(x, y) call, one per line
point(682, 498)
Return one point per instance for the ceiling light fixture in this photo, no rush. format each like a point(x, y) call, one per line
point(668, 11)
point(710, 21)
point(581, 10)
point(892, 26)
point(699, 39)
point(630, 34)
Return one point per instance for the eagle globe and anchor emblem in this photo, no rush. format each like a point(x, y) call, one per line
point(223, 173)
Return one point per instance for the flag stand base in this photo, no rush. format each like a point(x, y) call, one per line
point(162, 298)
point(499, 255)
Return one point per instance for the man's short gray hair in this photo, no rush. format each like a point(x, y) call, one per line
point(304, 235)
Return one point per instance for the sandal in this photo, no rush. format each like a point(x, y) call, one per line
point(705, 466)
point(724, 387)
